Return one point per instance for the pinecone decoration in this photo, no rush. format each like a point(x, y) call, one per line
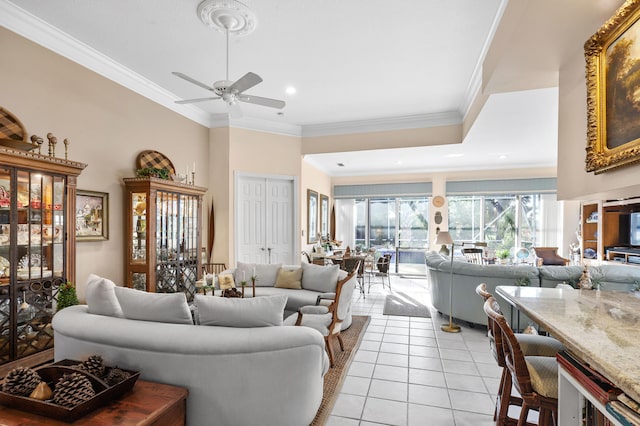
point(73, 389)
point(21, 381)
point(93, 365)
point(116, 376)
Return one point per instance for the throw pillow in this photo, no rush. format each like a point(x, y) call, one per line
point(226, 281)
point(157, 307)
point(263, 311)
point(101, 297)
point(289, 278)
point(266, 274)
point(320, 278)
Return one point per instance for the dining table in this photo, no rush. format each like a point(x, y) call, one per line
point(599, 328)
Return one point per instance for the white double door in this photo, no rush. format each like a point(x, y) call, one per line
point(265, 219)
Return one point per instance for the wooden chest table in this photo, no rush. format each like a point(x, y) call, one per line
point(147, 404)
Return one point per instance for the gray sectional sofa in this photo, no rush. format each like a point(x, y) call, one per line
point(467, 306)
point(314, 281)
point(236, 373)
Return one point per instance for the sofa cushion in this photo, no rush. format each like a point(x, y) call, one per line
point(157, 307)
point(101, 297)
point(289, 278)
point(266, 274)
point(242, 313)
point(319, 278)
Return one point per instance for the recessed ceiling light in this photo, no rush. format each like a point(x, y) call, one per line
point(290, 90)
point(340, 164)
point(399, 162)
point(454, 155)
point(502, 156)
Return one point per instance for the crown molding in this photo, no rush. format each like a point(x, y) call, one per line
point(383, 124)
point(257, 124)
point(475, 82)
point(35, 29)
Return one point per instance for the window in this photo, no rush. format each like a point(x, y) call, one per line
point(504, 221)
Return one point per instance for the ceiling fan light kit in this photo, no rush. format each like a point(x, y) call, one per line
point(228, 15)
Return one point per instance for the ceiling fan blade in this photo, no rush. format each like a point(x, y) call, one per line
point(246, 82)
point(258, 100)
point(192, 80)
point(191, 101)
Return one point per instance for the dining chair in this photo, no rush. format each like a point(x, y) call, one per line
point(328, 319)
point(355, 262)
point(534, 377)
point(213, 268)
point(382, 270)
point(306, 256)
point(473, 255)
point(531, 345)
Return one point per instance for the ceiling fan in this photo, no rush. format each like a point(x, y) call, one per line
point(229, 91)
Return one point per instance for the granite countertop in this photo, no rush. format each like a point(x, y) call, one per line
point(600, 327)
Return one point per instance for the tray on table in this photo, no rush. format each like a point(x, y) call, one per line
point(50, 374)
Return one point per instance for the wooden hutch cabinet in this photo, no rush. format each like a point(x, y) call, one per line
point(37, 250)
point(163, 222)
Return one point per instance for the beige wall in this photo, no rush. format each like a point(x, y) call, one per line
point(381, 140)
point(318, 181)
point(257, 153)
point(573, 181)
point(107, 126)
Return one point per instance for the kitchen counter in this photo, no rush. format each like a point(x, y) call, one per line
point(602, 328)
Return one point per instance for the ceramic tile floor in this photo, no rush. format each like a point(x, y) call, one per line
point(408, 372)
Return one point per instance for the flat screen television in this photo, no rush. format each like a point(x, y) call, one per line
point(634, 229)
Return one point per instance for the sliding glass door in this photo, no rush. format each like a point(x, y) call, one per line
point(398, 226)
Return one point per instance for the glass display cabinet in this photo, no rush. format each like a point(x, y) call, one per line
point(37, 250)
point(163, 222)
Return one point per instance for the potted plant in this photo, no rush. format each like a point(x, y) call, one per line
point(503, 255)
point(67, 296)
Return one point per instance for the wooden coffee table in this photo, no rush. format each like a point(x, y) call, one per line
point(147, 404)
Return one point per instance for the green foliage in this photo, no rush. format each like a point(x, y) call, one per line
point(153, 172)
point(523, 282)
point(67, 296)
point(573, 282)
point(502, 254)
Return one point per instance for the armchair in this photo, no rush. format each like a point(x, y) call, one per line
point(550, 256)
point(328, 319)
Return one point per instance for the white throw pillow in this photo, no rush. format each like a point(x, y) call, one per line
point(157, 307)
point(262, 311)
point(101, 297)
point(266, 274)
point(320, 278)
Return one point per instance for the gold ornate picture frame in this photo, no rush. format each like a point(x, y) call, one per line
point(613, 91)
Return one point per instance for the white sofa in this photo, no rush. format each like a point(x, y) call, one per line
point(235, 376)
point(313, 284)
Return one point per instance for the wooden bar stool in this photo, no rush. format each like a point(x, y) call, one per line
point(535, 377)
point(530, 344)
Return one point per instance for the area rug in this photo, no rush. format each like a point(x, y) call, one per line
point(402, 304)
point(336, 374)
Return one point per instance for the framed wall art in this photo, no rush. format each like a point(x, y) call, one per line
point(92, 215)
point(613, 91)
point(324, 215)
point(312, 216)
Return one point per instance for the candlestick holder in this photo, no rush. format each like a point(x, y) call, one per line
point(193, 178)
